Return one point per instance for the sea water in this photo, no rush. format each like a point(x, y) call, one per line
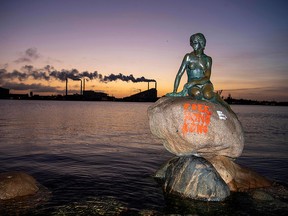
point(80, 149)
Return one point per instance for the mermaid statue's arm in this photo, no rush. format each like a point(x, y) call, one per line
point(178, 78)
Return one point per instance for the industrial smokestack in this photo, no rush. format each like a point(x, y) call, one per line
point(66, 86)
point(155, 85)
point(81, 87)
point(148, 85)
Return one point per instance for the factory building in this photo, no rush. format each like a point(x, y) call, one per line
point(96, 96)
point(149, 95)
point(4, 91)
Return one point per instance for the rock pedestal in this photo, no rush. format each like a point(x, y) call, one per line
point(193, 177)
point(213, 133)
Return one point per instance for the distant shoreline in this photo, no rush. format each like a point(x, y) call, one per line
point(233, 101)
point(230, 101)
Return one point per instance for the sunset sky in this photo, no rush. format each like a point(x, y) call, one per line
point(247, 40)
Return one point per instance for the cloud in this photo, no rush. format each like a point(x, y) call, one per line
point(31, 87)
point(29, 55)
point(4, 75)
point(4, 66)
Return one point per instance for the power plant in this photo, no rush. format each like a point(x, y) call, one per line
point(50, 73)
point(149, 95)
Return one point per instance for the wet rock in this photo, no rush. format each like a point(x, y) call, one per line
point(148, 212)
point(276, 190)
point(238, 178)
point(26, 205)
point(261, 195)
point(16, 184)
point(189, 126)
point(93, 206)
point(192, 177)
point(270, 200)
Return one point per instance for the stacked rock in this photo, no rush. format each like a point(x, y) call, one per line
point(205, 137)
point(189, 126)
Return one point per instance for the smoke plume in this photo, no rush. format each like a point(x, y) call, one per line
point(49, 72)
point(113, 77)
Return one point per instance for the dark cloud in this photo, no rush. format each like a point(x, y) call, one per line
point(28, 56)
point(30, 87)
point(4, 75)
point(32, 53)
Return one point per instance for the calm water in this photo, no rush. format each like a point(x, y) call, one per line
point(105, 149)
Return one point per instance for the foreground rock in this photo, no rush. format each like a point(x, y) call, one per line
point(16, 184)
point(192, 177)
point(189, 126)
point(236, 177)
point(268, 201)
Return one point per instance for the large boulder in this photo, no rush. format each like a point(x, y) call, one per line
point(192, 177)
point(16, 184)
point(188, 126)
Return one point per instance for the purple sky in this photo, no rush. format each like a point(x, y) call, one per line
point(247, 39)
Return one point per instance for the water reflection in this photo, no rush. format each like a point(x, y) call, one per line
point(105, 149)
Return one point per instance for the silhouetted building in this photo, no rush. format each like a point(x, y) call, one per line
point(149, 95)
point(4, 93)
point(18, 96)
point(96, 96)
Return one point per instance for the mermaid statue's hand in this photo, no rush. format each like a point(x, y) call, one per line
point(183, 93)
point(171, 94)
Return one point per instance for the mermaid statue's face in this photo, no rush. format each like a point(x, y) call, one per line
point(197, 42)
point(196, 45)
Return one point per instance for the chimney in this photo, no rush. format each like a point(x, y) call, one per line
point(81, 87)
point(155, 85)
point(148, 85)
point(66, 86)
